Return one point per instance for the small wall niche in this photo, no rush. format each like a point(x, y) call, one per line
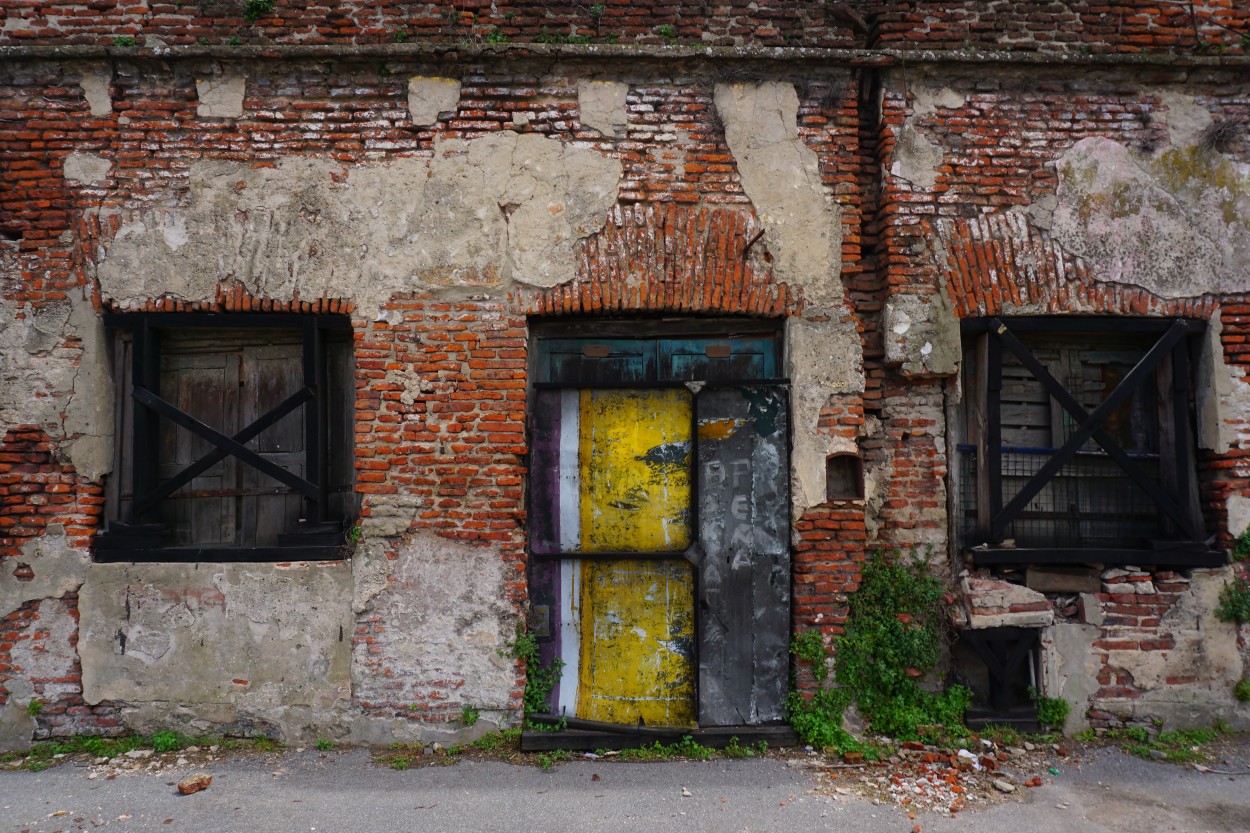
point(844, 477)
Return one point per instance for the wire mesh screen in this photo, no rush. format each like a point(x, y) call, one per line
point(1091, 502)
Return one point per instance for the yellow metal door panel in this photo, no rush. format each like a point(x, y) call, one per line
point(637, 643)
point(635, 470)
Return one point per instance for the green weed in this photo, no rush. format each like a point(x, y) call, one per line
point(324, 745)
point(1242, 691)
point(546, 760)
point(125, 40)
point(254, 10)
point(469, 715)
point(1235, 601)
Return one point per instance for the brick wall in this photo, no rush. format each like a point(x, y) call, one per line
point(1081, 26)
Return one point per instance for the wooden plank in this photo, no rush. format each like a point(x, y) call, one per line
point(745, 572)
point(584, 740)
point(1091, 425)
point(1008, 556)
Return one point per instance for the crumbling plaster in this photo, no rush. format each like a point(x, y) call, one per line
point(921, 333)
point(429, 96)
point(54, 360)
point(481, 213)
point(602, 105)
point(915, 157)
point(1070, 670)
point(95, 83)
point(1176, 223)
point(781, 175)
point(803, 231)
point(1204, 648)
point(58, 569)
point(822, 359)
point(448, 605)
point(250, 636)
point(1223, 395)
point(220, 96)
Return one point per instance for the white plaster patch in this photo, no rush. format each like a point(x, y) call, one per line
point(1238, 514)
point(58, 569)
point(926, 100)
point(253, 634)
point(61, 385)
point(822, 359)
point(1177, 224)
point(916, 158)
point(449, 602)
point(925, 340)
point(1185, 118)
point(221, 96)
point(427, 97)
point(1204, 648)
point(46, 651)
point(1223, 395)
point(602, 105)
point(481, 213)
point(781, 175)
point(86, 168)
point(95, 89)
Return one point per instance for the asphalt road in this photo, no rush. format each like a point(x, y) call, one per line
point(343, 791)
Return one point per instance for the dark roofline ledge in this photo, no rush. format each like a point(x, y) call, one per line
point(619, 52)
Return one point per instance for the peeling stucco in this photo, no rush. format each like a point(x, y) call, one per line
point(822, 359)
point(429, 96)
point(95, 89)
point(1223, 394)
point(86, 168)
point(1204, 648)
point(57, 567)
point(916, 158)
point(448, 605)
point(602, 105)
point(1176, 224)
point(1238, 514)
point(1186, 118)
point(781, 175)
point(1070, 669)
point(481, 214)
point(56, 376)
point(220, 96)
point(921, 333)
point(254, 635)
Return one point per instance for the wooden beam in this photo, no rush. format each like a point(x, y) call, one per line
point(173, 414)
point(1127, 385)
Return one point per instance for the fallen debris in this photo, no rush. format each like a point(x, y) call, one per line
point(195, 783)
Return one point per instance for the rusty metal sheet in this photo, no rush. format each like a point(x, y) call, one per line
point(744, 601)
point(637, 643)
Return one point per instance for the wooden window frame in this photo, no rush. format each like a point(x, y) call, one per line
point(1167, 362)
point(134, 535)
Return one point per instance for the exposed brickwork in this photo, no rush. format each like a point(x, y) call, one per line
point(441, 376)
point(1084, 26)
point(45, 658)
point(37, 489)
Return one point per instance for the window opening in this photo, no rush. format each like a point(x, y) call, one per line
point(234, 438)
point(1078, 444)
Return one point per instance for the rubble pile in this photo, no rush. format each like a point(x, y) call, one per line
point(926, 778)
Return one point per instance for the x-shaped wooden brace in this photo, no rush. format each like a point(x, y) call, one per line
point(1090, 426)
point(1003, 650)
point(225, 446)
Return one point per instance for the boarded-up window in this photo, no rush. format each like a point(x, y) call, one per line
point(283, 395)
point(1077, 437)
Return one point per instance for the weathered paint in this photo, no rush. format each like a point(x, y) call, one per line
point(745, 570)
point(637, 660)
point(635, 472)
